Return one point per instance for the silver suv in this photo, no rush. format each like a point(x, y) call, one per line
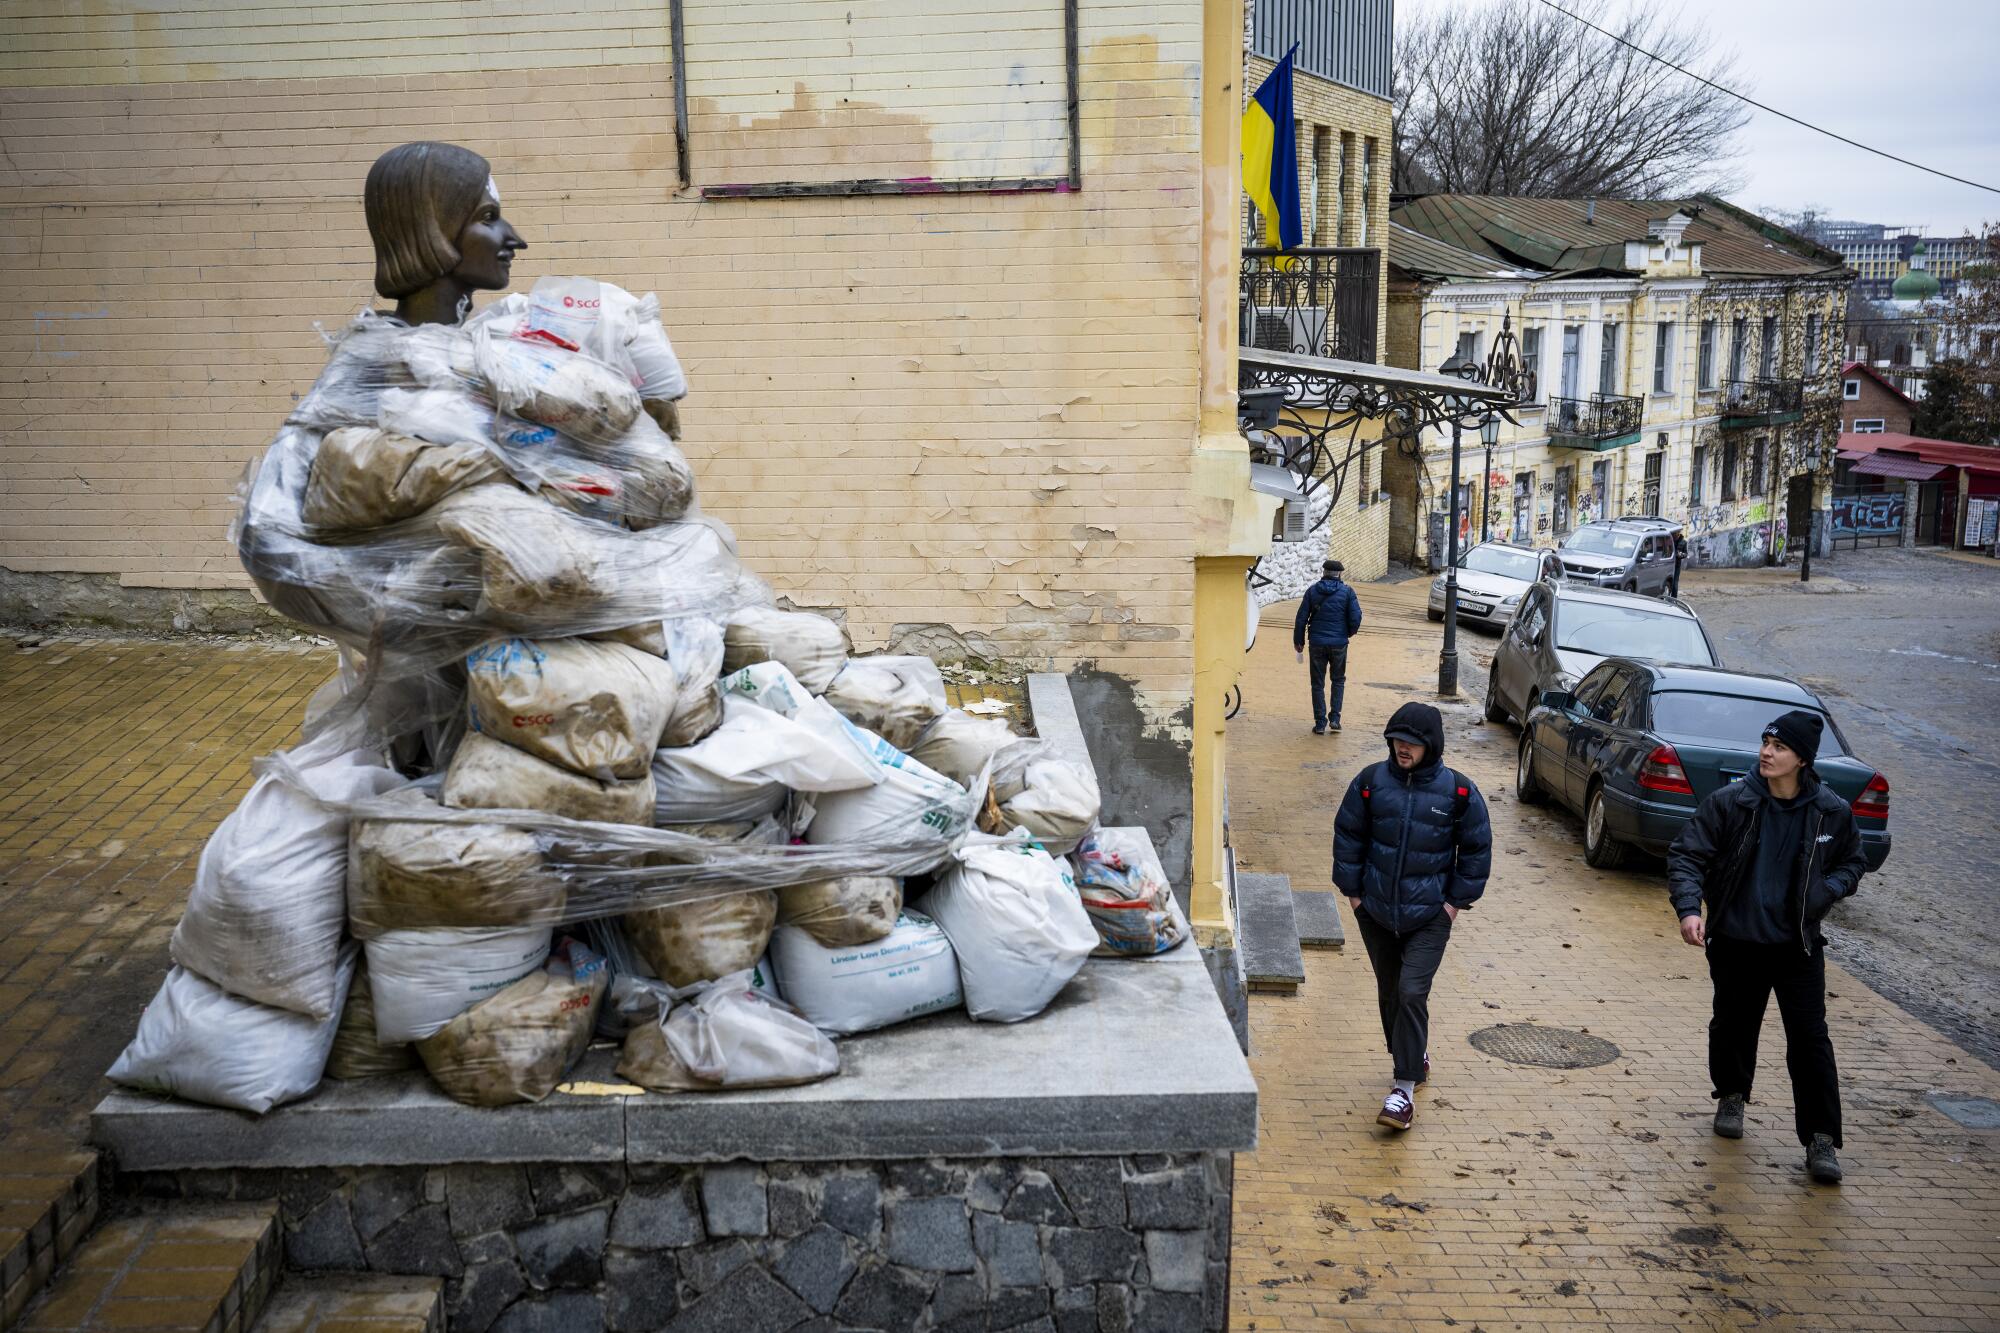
point(1628, 554)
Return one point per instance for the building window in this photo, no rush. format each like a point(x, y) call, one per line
point(1572, 358)
point(1739, 330)
point(1607, 360)
point(1812, 345)
point(1663, 356)
point(1850, 390)
point(1697, 473)
point(1871, 426)
point(1729, 460)
point(1367, 200)
point(1326, 180)
point(1363, 492)
point(1656, 463)
point(1524, 504)
point(1342, 232)
point(1468, 346)
point(1756, 467)
point(1705, 362)
point(1307, 137)
point(1565, 497)
point(1531, 361)
point(1767, 349)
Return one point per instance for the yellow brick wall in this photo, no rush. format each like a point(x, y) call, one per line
point(972, 412)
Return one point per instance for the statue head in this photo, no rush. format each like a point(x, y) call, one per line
point(434, 216)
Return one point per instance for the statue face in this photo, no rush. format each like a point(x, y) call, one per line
point(486, 248)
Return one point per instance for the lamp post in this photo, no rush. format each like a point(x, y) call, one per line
point(1489, 432)
point(1448, 658)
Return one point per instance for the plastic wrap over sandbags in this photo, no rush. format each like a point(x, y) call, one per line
point(725, 1034)
point(410, 873)
point(851, 910)
point(592, 707)
point(599, 318)
point(894, 697)
point(357, 1051)
point(1051, 797)
point(959, 745)
point(486, 774)
point(812, 648)
point(1016, 924)
point(536, 377)
point(516, 1045)
point(694, 647)
point(198, 1041)
point(705, 939)
point(744, 767)
point(422, 979)
point(911, 807)
point(907, 973)
point(364, 478)
point(1125, 891)
point(266, 916)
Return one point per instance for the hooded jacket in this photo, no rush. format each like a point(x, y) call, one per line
point(1715, 852)
point(1403, 849)
point(1329, 613)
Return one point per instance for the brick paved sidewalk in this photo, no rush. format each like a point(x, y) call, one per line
point(1526, 1197)
point(119, 758)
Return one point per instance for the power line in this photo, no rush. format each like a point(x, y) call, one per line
point(1854, 143)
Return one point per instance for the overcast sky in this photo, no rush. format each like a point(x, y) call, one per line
point(1917, 79)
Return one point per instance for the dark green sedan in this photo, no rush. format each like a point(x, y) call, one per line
point(1638, 745)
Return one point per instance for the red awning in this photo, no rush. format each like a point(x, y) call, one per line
point(1891, 465)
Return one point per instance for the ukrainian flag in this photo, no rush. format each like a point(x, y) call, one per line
point(1271, 158)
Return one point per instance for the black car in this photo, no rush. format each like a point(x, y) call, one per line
point(1639, 745)
point(1564, 629)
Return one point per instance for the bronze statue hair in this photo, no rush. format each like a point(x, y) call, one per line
point(418, 199)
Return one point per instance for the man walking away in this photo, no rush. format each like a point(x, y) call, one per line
point(1770, 854)
point(1411, 850)
point(1330, 615)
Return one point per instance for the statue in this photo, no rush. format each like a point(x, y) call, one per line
point(434, 216)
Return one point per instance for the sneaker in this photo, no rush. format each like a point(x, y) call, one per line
point(1821, 1164)
point(1729, 1116)
point(1319, 731)
point(1398, 1111)
point(1333, 726)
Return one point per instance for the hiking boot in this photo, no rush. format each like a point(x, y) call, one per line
point(1729, 1116)
point(1398, 1110)
point(1821, 1164)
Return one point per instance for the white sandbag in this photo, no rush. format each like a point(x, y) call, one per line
point(422, 979)
point(812, 647)
point(906, 974)
point(693, 942)
point(537, 378)
point(743, 768)
point(911, 806)
point(847, 911)
point(959, 745)
point(488, 775)
point(405, 874)
point(516, 1045)
point(1016, 924)
point(363, 478)
point(694, 647)
point(725, 1034)
point(593, 707)
point(1125, 891)
point(1040, 791)
point(269, 904)
point(894, 697)
point(198, 1041)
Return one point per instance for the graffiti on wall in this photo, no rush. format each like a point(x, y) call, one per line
point(1879, 515)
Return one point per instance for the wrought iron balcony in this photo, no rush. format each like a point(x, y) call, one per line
point(1601, 421)
point(1313, 301)
point(1762, 402)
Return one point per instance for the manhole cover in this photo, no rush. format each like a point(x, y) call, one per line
point(1972, 1112)
point(1533, 1044)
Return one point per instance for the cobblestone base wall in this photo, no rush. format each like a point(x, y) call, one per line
point(1068, 1244)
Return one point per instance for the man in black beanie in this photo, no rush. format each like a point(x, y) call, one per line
point(1329, 615)
point(1770, 855)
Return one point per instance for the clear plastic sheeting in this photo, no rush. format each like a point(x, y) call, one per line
point(1035, 788)
point(810, 646)
point(1125, 891)
point(728, 1033)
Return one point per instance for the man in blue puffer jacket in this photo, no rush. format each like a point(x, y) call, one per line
point(1330, 615)
point(1411, 850)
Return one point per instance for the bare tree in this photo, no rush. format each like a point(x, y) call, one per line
point(1514, 97)
point(1808, 223)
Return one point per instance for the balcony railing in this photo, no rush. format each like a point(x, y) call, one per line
point(1601, 421)
point(1762, 402)
point(1314, 301)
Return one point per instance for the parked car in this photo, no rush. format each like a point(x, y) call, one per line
point(1492, 579)
point(1630, 554)
point(1563, 630)
point(1638, 745)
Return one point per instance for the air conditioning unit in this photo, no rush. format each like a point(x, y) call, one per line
point(1291, 522)
point(1285, 328)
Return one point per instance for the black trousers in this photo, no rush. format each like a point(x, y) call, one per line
point(1328, 663)
point(1745, 975)
point(1404, 967)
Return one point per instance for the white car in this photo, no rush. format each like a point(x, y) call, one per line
point(1492, 578)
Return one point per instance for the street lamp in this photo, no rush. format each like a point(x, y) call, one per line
point(1489, 432)
point(1459, 368)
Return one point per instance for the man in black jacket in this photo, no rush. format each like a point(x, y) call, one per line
point(1770, 854)
point(1329, 615)
point(1411, 850)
